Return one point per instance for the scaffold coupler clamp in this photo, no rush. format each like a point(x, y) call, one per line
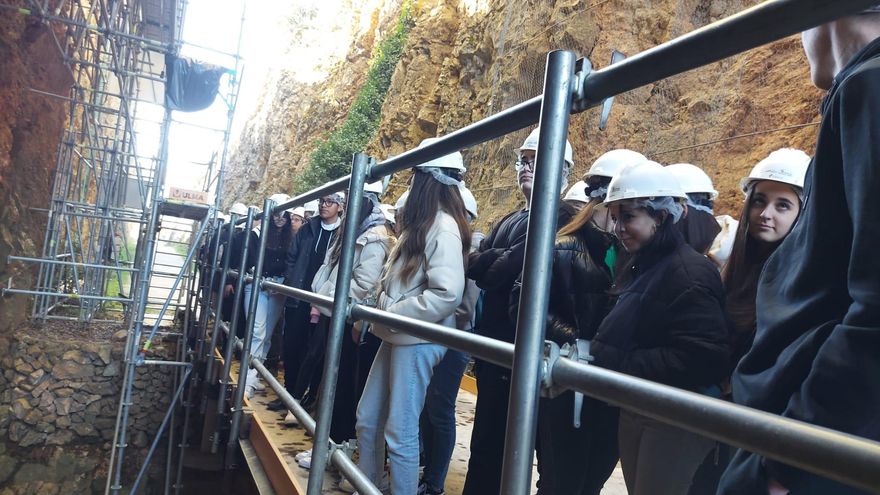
point(551, 355)
point(580, 352)
point(580, 100)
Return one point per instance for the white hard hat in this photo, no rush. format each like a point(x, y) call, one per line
point(531, 143)
point(223, 216)
point(692, 179)
point(311, 206)
point(401, 201)
point(388, 212)
point(238, 209)
point(452, 160)
point(299, 210)
point(612, 162)
point(644, 180)
point(377, 187)
point(577, 192)
point(470, 202)
point(279, 198)
point(786, 165)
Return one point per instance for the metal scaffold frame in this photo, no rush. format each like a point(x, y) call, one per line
point(102, 185)
point(570, 86)
point(108, 211)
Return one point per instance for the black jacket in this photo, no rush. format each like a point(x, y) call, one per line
point(299, 257)
point(816, 353)
point(668, 324)
point(496, 266)
point(578, 287)
point(274, 261)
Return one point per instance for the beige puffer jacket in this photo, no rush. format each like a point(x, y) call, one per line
point(370, 253)
point(434, 291)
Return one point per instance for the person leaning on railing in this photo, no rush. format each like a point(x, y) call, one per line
point(816, 352)
point(576, 456)
point(495, 267)
point(667, 325)
point(423, 279)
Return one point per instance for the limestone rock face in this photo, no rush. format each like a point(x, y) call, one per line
point(468, 59)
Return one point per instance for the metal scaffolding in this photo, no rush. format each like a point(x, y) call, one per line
point(117, 248)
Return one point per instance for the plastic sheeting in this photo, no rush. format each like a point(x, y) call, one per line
point(191, 85)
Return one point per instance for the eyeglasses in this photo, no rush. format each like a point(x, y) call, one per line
point(327, 202)
point(522, 163)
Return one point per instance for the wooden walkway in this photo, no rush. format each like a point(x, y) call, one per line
point(276, 445)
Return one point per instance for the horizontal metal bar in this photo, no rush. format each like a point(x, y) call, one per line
point(720, 420)
point(302, 295)
point(488, 349)
point(751, 28)
point(71, 263)
point(63, 294)
point(500, 124)
point(839, 456)
point(159, 362)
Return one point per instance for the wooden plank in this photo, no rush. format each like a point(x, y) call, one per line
point(281, 477)
point(468, 383)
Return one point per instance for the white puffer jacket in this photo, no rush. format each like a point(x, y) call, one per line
point(370, 253)
point(434, 291)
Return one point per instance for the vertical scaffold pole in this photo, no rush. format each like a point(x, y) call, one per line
point(233, 325)
point(209, 274)
point(232, 444)
point(222, 287)
point(519, 444)
point(359, 168)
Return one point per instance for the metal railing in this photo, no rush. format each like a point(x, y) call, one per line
point(570, 86)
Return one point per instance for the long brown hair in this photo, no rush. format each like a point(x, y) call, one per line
point(426, 197)
point(740, 277)
point(336, 247)
point(582, 218)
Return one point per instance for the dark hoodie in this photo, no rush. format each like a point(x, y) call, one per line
point(816, 354)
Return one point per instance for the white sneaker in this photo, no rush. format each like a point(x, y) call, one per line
point(249, 391)
point(346, 486)
point(290, 420)
point(302, 455)
point(259, 385)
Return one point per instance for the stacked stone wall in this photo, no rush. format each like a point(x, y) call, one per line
point(59, 395)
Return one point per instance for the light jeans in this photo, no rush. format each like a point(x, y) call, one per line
point(270, 308)
point(397, 384)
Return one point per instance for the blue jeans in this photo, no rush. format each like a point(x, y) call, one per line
point(438, 417)
point(270, 308)
point(398, 382)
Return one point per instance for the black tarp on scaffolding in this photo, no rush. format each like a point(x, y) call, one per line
point(191, 85)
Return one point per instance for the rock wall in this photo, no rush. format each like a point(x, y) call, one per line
point(30, 127)
point(468, 59)
point(60, 392)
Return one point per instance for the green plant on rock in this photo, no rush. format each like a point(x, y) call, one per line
point(332, 158)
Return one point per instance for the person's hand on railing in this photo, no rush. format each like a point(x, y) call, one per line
point(228, 290)
point(356, 332)
point(775, 488)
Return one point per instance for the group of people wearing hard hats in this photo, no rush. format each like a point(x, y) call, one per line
point(642, 270)
point(776, 310)
point(648, 282)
